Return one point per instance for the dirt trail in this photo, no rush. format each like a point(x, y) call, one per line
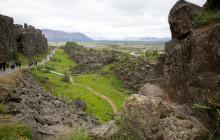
point(97, 93)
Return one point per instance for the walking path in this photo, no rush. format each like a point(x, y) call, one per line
point(97, 93)
point(8, 71)
point(114, 108)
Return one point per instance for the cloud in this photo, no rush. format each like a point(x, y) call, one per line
point(113, 19)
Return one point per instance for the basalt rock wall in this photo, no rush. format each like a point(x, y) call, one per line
point(191, 62)
point(132, 71)
point(26, 40)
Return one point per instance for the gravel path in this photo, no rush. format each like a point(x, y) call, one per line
point(8, 71)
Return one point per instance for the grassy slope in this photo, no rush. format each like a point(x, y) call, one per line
point(107, 85)
point(95, 104)
point(62, 62)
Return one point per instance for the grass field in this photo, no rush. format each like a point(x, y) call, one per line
point(107, 85)
point(60, 62)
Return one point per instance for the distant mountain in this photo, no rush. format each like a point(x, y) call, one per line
point(149, 39)
point(61, 36)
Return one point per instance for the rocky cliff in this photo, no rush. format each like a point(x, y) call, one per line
point(26, 40)
point(190, 65)
point(191, 62)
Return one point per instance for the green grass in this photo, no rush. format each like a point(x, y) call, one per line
point(206, 16)
point(107, 85)
point(41, 57)
point(15, 131)
point(95, 104)
point(61, 62)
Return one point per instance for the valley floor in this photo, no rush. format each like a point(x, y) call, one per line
point(106, 85)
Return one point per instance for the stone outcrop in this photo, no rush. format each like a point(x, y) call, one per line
point(181, 18)
point(150, 117)
point(191, 64)
point(104, 131)
point(84, 55)
point(26, 40)
point(132, 71)
point(212, 4)
point(44, 113)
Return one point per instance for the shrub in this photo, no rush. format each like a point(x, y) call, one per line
point(206, 16)
point(54, 59)
point(214, 107)
point(15, 131)
point(151, 54)
point(14, 55)
point(49, 68)
point(117, 119)
point(46, 71)
point(65, 78)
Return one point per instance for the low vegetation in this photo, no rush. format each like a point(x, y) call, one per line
point(151, 54)
point(105, 83)
point(213, 109)
point(15, 131)
point(108, 85)
point(207, 16)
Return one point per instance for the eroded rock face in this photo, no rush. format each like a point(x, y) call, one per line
point(105, 130)
point(149, 117)
point(181, 18)
point(44, 113)
point(191, 64)
point(212, 4)
point(27, 40)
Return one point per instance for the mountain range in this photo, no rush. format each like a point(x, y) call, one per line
point(61, 36)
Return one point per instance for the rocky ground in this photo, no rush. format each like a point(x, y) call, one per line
point(45, 114)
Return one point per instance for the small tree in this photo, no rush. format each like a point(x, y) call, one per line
point(65, 78)
point(14, 55)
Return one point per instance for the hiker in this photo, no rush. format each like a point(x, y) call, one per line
point(19, 64)
point(12, 65)
point(29, 64)
point(16, 64)
point(4, 65)
point(36, 63)
point(0, 66)
point(7, 65)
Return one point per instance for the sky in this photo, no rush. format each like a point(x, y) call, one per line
point(101, 19)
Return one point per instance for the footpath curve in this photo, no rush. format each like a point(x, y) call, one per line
point(114, 108)
point(96, 93)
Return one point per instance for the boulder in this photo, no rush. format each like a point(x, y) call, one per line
point(80, 103)
point(181, 18)
point(105, 130)
point(5, 95)
point(150, 118)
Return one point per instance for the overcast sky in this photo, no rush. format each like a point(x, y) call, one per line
point(112, 19)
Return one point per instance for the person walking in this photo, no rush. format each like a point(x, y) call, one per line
point(0, 66)
point(4, 65)
point(19, 64)
point(13, 65)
